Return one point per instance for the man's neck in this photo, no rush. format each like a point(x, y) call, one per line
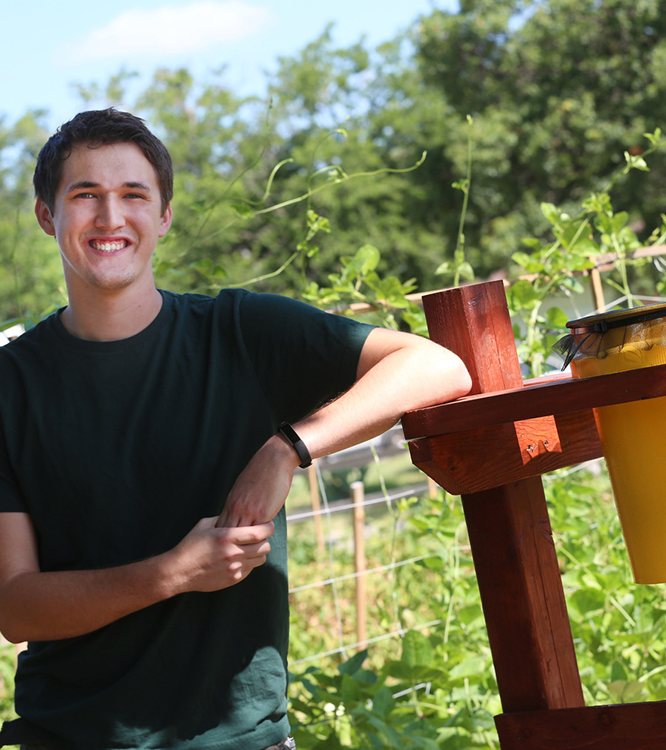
point(111, 316)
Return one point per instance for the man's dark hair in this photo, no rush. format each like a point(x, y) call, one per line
point(96, 128)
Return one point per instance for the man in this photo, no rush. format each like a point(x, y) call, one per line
point(145, 457)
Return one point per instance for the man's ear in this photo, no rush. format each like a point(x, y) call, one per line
point(165, 222)
point(43, 214)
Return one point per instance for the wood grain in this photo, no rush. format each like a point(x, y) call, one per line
point(476, 460)
point(537, 400)
point(630, 726)
point(508, 525)
point(522, 597)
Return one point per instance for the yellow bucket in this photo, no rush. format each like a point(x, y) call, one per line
point(632, 434)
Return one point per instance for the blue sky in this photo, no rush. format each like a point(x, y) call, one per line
point(48, 46)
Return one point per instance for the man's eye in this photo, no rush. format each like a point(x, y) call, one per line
point(134, 195)
point(84, 195)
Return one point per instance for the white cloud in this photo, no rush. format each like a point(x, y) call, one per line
point(169, 30)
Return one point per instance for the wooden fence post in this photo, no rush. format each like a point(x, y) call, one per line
point(360, 562)
point(316, 506)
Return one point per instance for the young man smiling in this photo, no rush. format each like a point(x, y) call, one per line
point(147, 444)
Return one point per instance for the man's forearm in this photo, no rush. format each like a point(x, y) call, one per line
point(402, 380)
point(397, 373)
point(36, 606)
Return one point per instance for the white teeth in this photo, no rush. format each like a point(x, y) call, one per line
point(108, 247)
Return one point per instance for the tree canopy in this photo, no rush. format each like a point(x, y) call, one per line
point(557, 90)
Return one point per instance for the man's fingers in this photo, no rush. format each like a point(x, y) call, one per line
point(232, 519)
point(249, 535)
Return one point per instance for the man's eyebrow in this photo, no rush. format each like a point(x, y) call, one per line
point(137, 185)
point(82, 184)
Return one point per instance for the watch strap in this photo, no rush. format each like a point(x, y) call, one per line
point(288, 432)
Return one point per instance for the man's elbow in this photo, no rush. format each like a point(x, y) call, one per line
point(13, 625)
point(11, 629)
point(455, 378)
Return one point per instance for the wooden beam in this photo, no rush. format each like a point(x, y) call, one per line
point(630, 726)
point(486, 457)
point(538, 400)
point(473, 322)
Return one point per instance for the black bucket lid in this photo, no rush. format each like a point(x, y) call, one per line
point(601, 322)
point(568, 346)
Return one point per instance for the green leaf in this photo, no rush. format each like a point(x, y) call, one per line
point(522, 295)
point(469, 614)
point(242, 210)
point(433, 563)
point(390, 736)
point(556, 317)
point(416, 649)
point(466, 271)
point(532, 242)
point(351, 666)
point(350, 690)
point(636, 162)
point(619, 220)
point(382, 703)
point(618, 672)
point(443, 268)
point(529, 263)
point(470, 667)
point(551, 213)
point(587, 600)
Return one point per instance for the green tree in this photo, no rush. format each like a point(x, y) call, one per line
point(559, 90)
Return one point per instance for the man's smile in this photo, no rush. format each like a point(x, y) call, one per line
point(108, 246)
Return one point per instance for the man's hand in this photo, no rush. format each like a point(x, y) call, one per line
point(40, 606)
point(210, 558)
point(262, 486)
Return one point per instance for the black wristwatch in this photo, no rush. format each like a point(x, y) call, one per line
point(287, 431)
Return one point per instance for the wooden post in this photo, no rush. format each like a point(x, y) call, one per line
point(492, 448)
point(597, 289)
point(509, 529)
point(360, 563)
point(316, 506)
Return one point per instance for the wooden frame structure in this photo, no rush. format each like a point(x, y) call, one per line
point(492, 447)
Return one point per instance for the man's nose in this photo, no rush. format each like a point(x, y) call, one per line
point(109, 215)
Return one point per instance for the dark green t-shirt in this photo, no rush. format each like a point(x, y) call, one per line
point(116, 450)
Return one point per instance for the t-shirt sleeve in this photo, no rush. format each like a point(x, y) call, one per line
point(302, 356)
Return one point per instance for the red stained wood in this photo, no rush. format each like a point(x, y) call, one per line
point(509, 529)
point(537, 400)
point(473, 322)
point(476, 460)
point(522, 597)
point(631, 726)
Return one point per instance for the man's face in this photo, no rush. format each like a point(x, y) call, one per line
point(107, 217)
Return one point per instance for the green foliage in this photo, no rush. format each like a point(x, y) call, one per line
point(359, 282)
point(431, 689)
point(436, 687)
point(593, 231)
point(559, 91)
point(7, 668)
point(550, 120)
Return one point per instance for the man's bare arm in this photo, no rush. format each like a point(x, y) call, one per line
point(37, 605)
point(397, 372)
